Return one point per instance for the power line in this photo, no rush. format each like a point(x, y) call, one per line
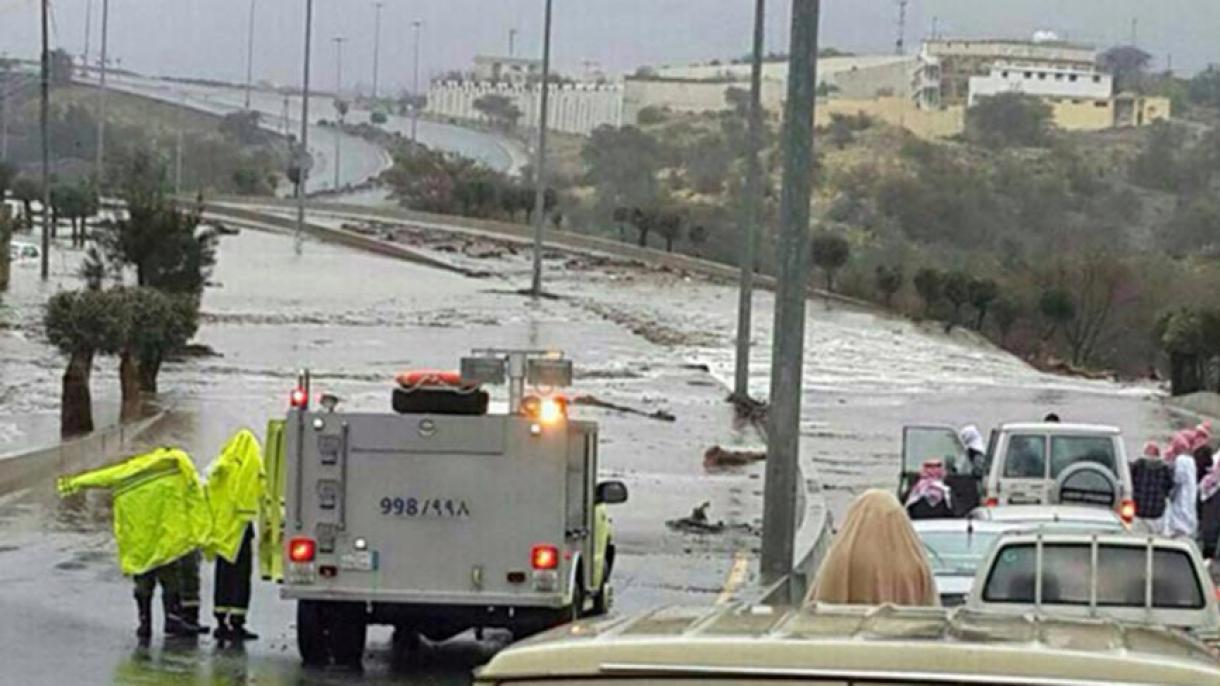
point(900, 45)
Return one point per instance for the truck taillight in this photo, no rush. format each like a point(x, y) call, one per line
point(298, 399)
point(1127, 511)
point(544, 557)
point(302, 550)
point(992, 502)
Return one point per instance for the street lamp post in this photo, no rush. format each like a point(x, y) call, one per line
point(540, 158)
point(250, 53)
point(750, 211)
point(302, 161)
point(43, 125)
point(416, 26)
point(376, 45)
point(99, 168)
point(339, 40)
point(791, 292)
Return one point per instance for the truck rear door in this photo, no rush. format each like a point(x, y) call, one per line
point(1024, 472)
point(438, 509)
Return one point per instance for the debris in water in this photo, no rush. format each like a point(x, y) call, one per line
point(717, 457)
point(593, 401)
point(697, 522)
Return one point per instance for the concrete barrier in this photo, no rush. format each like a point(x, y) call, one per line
point(30, 468)
point(245, 208)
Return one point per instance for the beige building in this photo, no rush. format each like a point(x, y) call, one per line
point(959, 60)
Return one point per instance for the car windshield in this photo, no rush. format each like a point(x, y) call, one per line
point(956, 553)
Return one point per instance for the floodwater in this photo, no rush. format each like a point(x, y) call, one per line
point(638, 337)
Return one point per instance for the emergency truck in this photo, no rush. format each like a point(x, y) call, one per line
point(441, 516)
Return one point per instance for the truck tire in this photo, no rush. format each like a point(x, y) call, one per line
point(348, 630)
point(311, 633)
point(578, 601)
point(604, 595)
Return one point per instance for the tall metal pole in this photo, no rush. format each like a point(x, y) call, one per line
point(88, 30)
point(512, 42)
point(376, 45)
point(178, 151)
point(788, 349)
point(416, 25)
point(338, 115)
point(303, 160)
point(250, 53)
point(540, 157)
point(43, 111)
point(99, 167)
point(751, 210)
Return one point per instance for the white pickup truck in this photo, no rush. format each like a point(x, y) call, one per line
point(440, 517)
point(1039, 463)
point(1144, 580)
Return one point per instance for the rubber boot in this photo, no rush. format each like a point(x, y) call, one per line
point(144, 612)
point(191, 615)
point(175, 625)
point(238, 631)
point(222, 631)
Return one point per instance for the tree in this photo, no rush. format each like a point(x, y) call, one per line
point(1195, 226)
point(830, 253)
point(500, 110)
point(889, 280)
point(1127, 63)
point(1008, 120)
point(1005, 313)
point(378, 118)
point(243, 128)
point(162, 324)
point(697, 235)
point(929, 284)
point(622, 166)
point(1187, 335)
point(644, 222)
point(1156, 166)
point(76, 203)
point(1204, 88)
point(1057, 308)
point(669, 225)
point(6, 238)
point(82, 324)
point(7, 174)
point(957, 292)
point(981, 293)
point(27, 190)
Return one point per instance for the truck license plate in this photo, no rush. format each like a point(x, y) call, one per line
point(363, 561)
point(425, 508)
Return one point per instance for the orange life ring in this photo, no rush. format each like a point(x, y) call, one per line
point(431, 377)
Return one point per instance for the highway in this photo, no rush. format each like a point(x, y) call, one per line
point(360, 159)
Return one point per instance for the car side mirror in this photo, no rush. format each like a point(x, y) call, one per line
point(611, 493)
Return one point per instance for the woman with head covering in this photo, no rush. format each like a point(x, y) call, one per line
point(931, 498)
point(875, 559)
point(1182, 519)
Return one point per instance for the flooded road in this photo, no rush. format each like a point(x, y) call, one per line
point(639, 337)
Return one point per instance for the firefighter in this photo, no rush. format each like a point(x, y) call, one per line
point(236, 489)
point(188, 580)
point(160, 515)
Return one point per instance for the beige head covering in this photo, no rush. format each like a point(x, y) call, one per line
point(876, 558)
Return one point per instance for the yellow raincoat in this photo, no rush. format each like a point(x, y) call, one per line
point(271, 519)
point(236, 488)
point(160, 507)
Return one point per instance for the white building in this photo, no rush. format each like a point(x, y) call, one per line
point(1043, 81)
point(576, 108)
point(516, 70)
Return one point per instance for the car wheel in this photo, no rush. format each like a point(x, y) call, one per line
point(311, 633)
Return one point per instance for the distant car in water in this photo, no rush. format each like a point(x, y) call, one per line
point(18, 252)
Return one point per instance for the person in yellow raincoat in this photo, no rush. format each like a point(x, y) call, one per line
point(236, 489)
point(160, 515)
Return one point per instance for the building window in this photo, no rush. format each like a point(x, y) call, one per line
point(1096, 79)
point(1005, 74)
point(1058, 77)
point(1076, 101)
point(1041, 76)
point(1072, 78)
point(1029, 75)
point(1100, 103)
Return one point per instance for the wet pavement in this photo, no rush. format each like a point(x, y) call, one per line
point(641, 338)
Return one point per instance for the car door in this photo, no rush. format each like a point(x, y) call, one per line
point(928, 442)
point(1023, 470)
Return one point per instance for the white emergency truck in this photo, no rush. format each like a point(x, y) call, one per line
point(441, 517)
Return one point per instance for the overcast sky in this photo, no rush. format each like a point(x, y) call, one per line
point(207, 37)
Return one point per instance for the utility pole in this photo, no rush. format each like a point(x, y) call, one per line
point(250, 53)
point(788, 349)
point(43, 111)
point(751, 210)
point(540, 158)
point(376, 45)
point(303, 153)
point(900, 46)
point(99, 168)
point(339, 40)
point(512, 42)
point(1135, 31)
point(84, 58)
point(416, 25)
point(178, 151)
